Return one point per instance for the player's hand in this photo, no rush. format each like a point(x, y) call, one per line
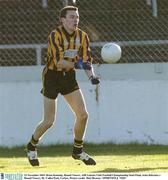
point(82, 65)
point(94, 80)
point(64, 64)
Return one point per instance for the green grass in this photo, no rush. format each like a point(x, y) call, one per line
point(109, 158)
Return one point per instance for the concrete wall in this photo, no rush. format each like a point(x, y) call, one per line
point(130, 105)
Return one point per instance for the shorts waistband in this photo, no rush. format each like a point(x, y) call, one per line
point(61, 70)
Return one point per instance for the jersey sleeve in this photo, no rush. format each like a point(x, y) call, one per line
point(54, 47)
point(86, 49)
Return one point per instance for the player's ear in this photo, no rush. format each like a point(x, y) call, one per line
point(62, 20)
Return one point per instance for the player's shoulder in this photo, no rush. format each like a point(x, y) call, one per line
point(82, 31)
point(56, 30)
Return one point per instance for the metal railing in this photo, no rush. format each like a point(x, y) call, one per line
point(38, 47)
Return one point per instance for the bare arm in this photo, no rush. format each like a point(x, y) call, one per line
point(92, 77)
point(63, 64)
point(90, 73)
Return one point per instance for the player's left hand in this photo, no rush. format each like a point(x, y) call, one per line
point(94, 80)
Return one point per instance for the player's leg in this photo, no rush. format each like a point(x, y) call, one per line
point(48, 117)
point(76, 102)
point(43, 126)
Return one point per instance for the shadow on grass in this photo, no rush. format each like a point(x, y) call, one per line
point(129, 170)
point(93, 149)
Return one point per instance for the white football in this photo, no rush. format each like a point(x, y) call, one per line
point(111, 52)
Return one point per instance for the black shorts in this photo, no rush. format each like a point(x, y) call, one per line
point(55, 82)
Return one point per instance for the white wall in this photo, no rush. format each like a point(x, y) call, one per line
point(130, 105)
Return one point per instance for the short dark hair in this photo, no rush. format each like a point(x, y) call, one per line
point(64, 10)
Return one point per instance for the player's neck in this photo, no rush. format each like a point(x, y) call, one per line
point(70, 32)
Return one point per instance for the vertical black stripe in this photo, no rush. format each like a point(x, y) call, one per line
point(74, 43)
point(87, 48)
point(68, 39)
point(49, 53)
point(81, 47)
point(55, 46)
point(62, 40)
point(81, 52)
point(80, 36)
point(52, 55)
point(67, 36)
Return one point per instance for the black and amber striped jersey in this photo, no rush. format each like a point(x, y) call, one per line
point(70, 47)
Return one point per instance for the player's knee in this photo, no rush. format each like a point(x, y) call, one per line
point(48, 120)
point(49, 124)
point(83, 116)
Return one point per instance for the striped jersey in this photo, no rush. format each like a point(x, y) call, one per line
point(71, 47)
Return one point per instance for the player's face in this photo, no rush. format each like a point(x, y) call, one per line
point(70, 22)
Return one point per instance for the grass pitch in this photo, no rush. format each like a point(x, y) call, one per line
point(109, 157)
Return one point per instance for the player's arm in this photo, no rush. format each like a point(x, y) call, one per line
point(63, 64)
point(87, 62)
